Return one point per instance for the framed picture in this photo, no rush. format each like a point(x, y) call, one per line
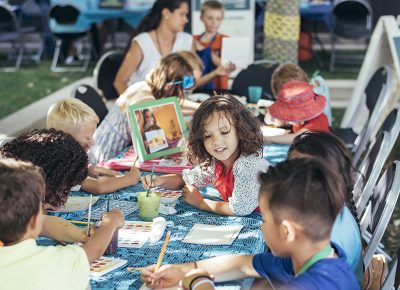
point(158, 128)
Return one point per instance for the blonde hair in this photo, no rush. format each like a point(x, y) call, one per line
point(284, 73)
point(70, 115)
point(212, 5)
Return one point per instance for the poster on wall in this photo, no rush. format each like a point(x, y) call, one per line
point(238, 22)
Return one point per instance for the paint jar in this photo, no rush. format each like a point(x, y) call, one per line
point(149, 206)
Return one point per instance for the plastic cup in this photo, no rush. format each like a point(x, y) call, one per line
point(149, 206)
point(255, 93)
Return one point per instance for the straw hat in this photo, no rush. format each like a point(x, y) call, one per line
point(297, 102)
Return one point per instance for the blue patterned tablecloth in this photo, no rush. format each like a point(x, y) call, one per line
point(249, 241)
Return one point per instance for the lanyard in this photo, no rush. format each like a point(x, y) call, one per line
point(324, 253)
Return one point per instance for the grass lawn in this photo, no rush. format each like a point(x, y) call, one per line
point(31, 83)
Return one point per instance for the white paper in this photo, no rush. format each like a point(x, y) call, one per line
point(273, 131)
point(77, 203)
point(237, 51)
point(212, 235)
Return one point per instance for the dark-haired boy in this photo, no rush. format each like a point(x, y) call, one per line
point(23, 264)
point(299, 200)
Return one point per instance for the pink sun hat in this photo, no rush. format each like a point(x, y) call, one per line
point(297, 102)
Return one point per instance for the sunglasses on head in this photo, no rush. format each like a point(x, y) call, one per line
point(186, 83)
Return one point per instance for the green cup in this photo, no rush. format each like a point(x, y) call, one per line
point(149, 206)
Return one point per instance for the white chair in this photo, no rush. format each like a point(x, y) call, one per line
point(370, 170)
point(380, 208)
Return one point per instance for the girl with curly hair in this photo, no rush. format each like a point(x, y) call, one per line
point(224, 145)
point(65, 164)
point(61, 157)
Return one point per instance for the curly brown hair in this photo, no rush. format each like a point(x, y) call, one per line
point(63, 160)
point(248, 128)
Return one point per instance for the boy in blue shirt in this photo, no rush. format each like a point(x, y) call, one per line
point(299, 200)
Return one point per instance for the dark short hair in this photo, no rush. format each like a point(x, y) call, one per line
point(247, 126)
point(307, 190)
point(62, 158)
point(22, 189)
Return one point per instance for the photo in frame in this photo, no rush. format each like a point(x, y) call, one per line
point(158, 128)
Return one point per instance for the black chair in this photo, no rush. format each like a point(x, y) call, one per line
point(12, 33)
point(254, 75)
point(352, 19)
point(105, 71)
point(68, 15)
point(380, 208)
point(90, 97)
point(375, 98)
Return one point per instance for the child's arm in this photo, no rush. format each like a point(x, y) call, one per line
point(110, 184)
point(224, 268)
point(169, 181)
point(62, 230)
point(96, 171)
point(192, 196)
point(97, 244)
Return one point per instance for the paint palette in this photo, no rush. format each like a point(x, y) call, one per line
point(104, 265)
point(168, 196)
point(134, 234)
point(127, 207)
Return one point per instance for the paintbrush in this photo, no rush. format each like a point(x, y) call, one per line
point(134, 164)
point(89, 214)
point(164, 247)
point(151, 180)
point(80, 222)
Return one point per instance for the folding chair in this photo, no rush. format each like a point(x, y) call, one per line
point(67, 16)
point(375, 99)
point(105, 71)
point(380, 208)
point(370, 169)
point(392, 280)
point(91, 97)
point(11, 32)
point(391, 124)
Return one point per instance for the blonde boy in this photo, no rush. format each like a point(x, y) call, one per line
point(209, 44)
point(25, 265)
point(78, 119)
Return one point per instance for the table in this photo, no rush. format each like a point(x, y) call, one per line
point(249, 241)
point(132, 13)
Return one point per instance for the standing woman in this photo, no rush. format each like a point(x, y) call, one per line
point(160, 33)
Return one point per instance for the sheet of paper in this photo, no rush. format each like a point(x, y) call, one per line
point(212, 235)
point(237, 51)
point(273, 131)
point(77, 203)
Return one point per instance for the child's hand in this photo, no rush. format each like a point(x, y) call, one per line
point(83, 237)
point(115, 216)
point(96, 171)
point(192, 196)
point(133, 176)
point(154, 183)
point(166, 276)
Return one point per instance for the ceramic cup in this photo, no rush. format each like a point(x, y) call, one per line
point(255, 93)
point(149, 206)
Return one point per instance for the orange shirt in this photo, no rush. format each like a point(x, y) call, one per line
point(318, 123)
point(220, 82)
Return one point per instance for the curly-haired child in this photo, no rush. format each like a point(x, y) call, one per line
point(25, 265)
point(299, 201)
point(225, 143)
point(76, 118)
point(64, 162)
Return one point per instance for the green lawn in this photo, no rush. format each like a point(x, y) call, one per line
point(31, 83)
